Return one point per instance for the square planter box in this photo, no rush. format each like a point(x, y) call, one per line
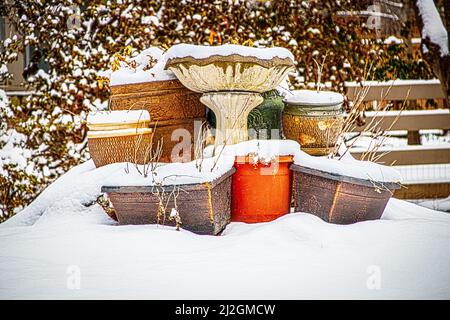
point(204, 208)
point(339, 199)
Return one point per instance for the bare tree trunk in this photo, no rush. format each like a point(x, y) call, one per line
point(439, 63)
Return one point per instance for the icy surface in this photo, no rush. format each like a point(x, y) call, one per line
point(142, 73)
point(201, 52)
point(117, 116)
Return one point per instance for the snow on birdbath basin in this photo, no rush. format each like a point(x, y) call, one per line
point(231, 78)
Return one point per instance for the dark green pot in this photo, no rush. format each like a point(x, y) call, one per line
point(262, 119)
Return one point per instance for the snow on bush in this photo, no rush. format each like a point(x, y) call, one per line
point(76, 46)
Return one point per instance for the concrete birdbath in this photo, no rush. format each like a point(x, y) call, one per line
point(231, 78)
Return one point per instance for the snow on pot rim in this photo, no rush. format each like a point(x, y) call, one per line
point(114, 120)
point(118, 133)
point(315, 99)
point(263, 151)
point(167, 174)
point(266, 151)
point(207, 54)
point(126, 75)
point(349, 167)
point(117, 116)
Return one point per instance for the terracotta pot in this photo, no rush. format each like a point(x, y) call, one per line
point(316, 125)
point(260, 192)
point(171, 106)
point(339, 199)
point(204, 208)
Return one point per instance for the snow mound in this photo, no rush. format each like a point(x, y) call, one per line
point(143, 73)
point(193, 172)
point(266, 151)
point(117, 116)
point(314, 97)
point(81, 186)
point(405, 255)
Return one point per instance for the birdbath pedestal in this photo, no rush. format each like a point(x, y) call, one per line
point(231, 78)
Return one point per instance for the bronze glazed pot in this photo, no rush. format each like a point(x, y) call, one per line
point(314, 119)
point(339, 199)
point(171, 106)
point(204, 208)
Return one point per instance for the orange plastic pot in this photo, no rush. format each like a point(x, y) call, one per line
point(261, 192)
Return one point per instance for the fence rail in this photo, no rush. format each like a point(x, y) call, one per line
point(416, 159)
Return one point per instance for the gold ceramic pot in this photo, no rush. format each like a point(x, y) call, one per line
point(314, 119)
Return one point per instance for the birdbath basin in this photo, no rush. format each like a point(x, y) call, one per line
point(231, 78)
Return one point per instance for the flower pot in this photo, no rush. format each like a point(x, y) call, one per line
point(337, 198)
point(171, 106)
point(267, 116)
point(204, 208)
point(123, 145)
point(261, 192)
point(314, 119)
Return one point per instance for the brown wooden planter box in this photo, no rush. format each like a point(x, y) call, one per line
point(339, 199)
point(171, 106)
point(204, 208)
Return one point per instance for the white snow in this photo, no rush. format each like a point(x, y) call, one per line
point(4, 101)
point(118, 132)
point(404, 255)
point(201, 52)
point(314, 97)
point(433, 28)
point(392, 40)
point(350, 167)
point(3, 69)
point(266, 150)
point(263, 151)
point(143, 73)
point(117, 116)
point(438, 204)
point(425, 173)
point(396, 82)
point(170, 173)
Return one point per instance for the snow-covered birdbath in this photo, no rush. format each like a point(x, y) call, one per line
point(231, 78)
